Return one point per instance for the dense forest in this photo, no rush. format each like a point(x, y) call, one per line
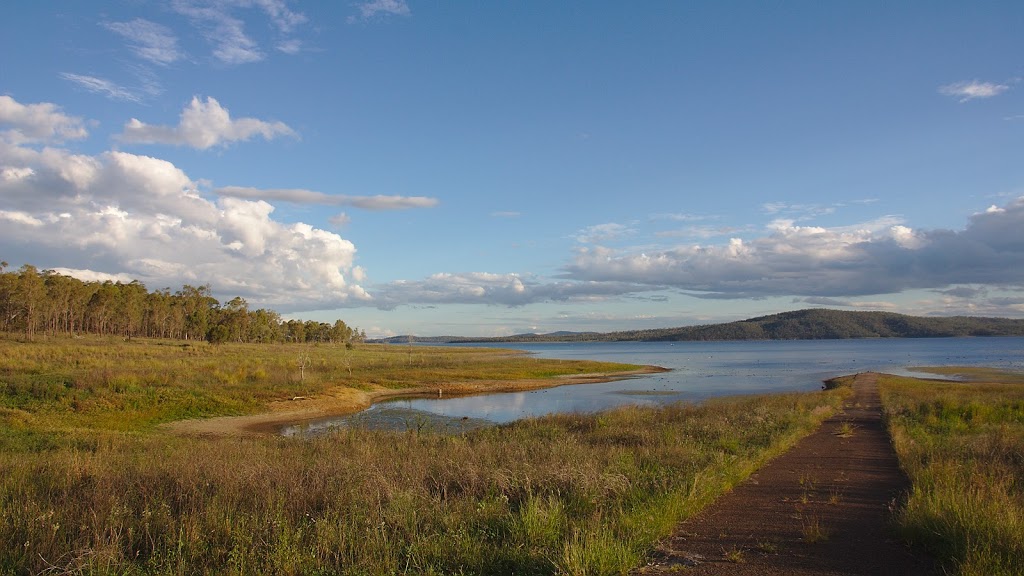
point(812, 324)
point(34, 302)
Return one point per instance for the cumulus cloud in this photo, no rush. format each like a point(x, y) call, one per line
point(150, 41)
point(42, 122)
point(967, 91)
point(494, 289)
point(203, 125)
point(300, 196)
point(373, 8)
point(879, 257)
point(139, 217)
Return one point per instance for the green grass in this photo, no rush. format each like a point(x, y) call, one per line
point(109, 384)
point(569, 494)
point(962, 444)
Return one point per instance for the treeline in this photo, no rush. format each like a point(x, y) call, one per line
point(812, 324)
point(34, 302)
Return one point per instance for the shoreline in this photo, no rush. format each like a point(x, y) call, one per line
point(343, 400)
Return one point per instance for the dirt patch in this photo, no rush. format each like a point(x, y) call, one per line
point(345, 400)
point(823, 507)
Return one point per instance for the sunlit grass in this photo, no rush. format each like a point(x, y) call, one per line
point(116, 385)
point(962, 444)
point(566, 494)
point(562, 494)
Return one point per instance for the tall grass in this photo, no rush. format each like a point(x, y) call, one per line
point(568, 494)
point(962, 444)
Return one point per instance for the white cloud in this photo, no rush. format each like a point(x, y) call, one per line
point(878, 257)
point(224, 31)
point(139, 217)
point(374, 8)
point(282, 17)
point(149, 40)
point(967, 91)
point(42, 122)
point(203, 125)
point(382, 202)
point(494, 289)
point(603, 233)
point(340, 220)
point(803, 211)
point(102, 86)
point(231, 44)
point(290, 47)
point(300, 196)
point(94, 276)
point(16, 217)
point(701, 232)
point(681, 217)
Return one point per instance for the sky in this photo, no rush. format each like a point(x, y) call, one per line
point(495, 168)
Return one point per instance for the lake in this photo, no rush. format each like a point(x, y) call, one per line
point(700, 370)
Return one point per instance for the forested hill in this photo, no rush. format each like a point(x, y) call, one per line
point(814, 324)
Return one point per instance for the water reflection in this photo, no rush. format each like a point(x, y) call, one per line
point(700, 370)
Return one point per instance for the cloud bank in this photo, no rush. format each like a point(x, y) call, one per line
point(127, 215)
point(879, 257)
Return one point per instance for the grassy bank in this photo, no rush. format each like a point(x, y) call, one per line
point(558, 495)
point(962, 444)
point(109, 384)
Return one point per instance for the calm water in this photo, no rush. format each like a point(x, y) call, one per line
point(700, 370)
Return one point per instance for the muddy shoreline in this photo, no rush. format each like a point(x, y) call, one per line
point(344, 400)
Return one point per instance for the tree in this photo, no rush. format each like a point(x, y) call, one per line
point(130, 307)
point(235, 317)
point(218, 334)
point(198, 304)
point(30, 297)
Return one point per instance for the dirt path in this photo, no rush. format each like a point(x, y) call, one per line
point(820, 508)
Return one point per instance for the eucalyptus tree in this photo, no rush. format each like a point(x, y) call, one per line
point(30, 297)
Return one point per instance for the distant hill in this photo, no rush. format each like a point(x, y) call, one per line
point(812, 324)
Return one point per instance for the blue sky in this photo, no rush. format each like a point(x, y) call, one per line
point(487, 168)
